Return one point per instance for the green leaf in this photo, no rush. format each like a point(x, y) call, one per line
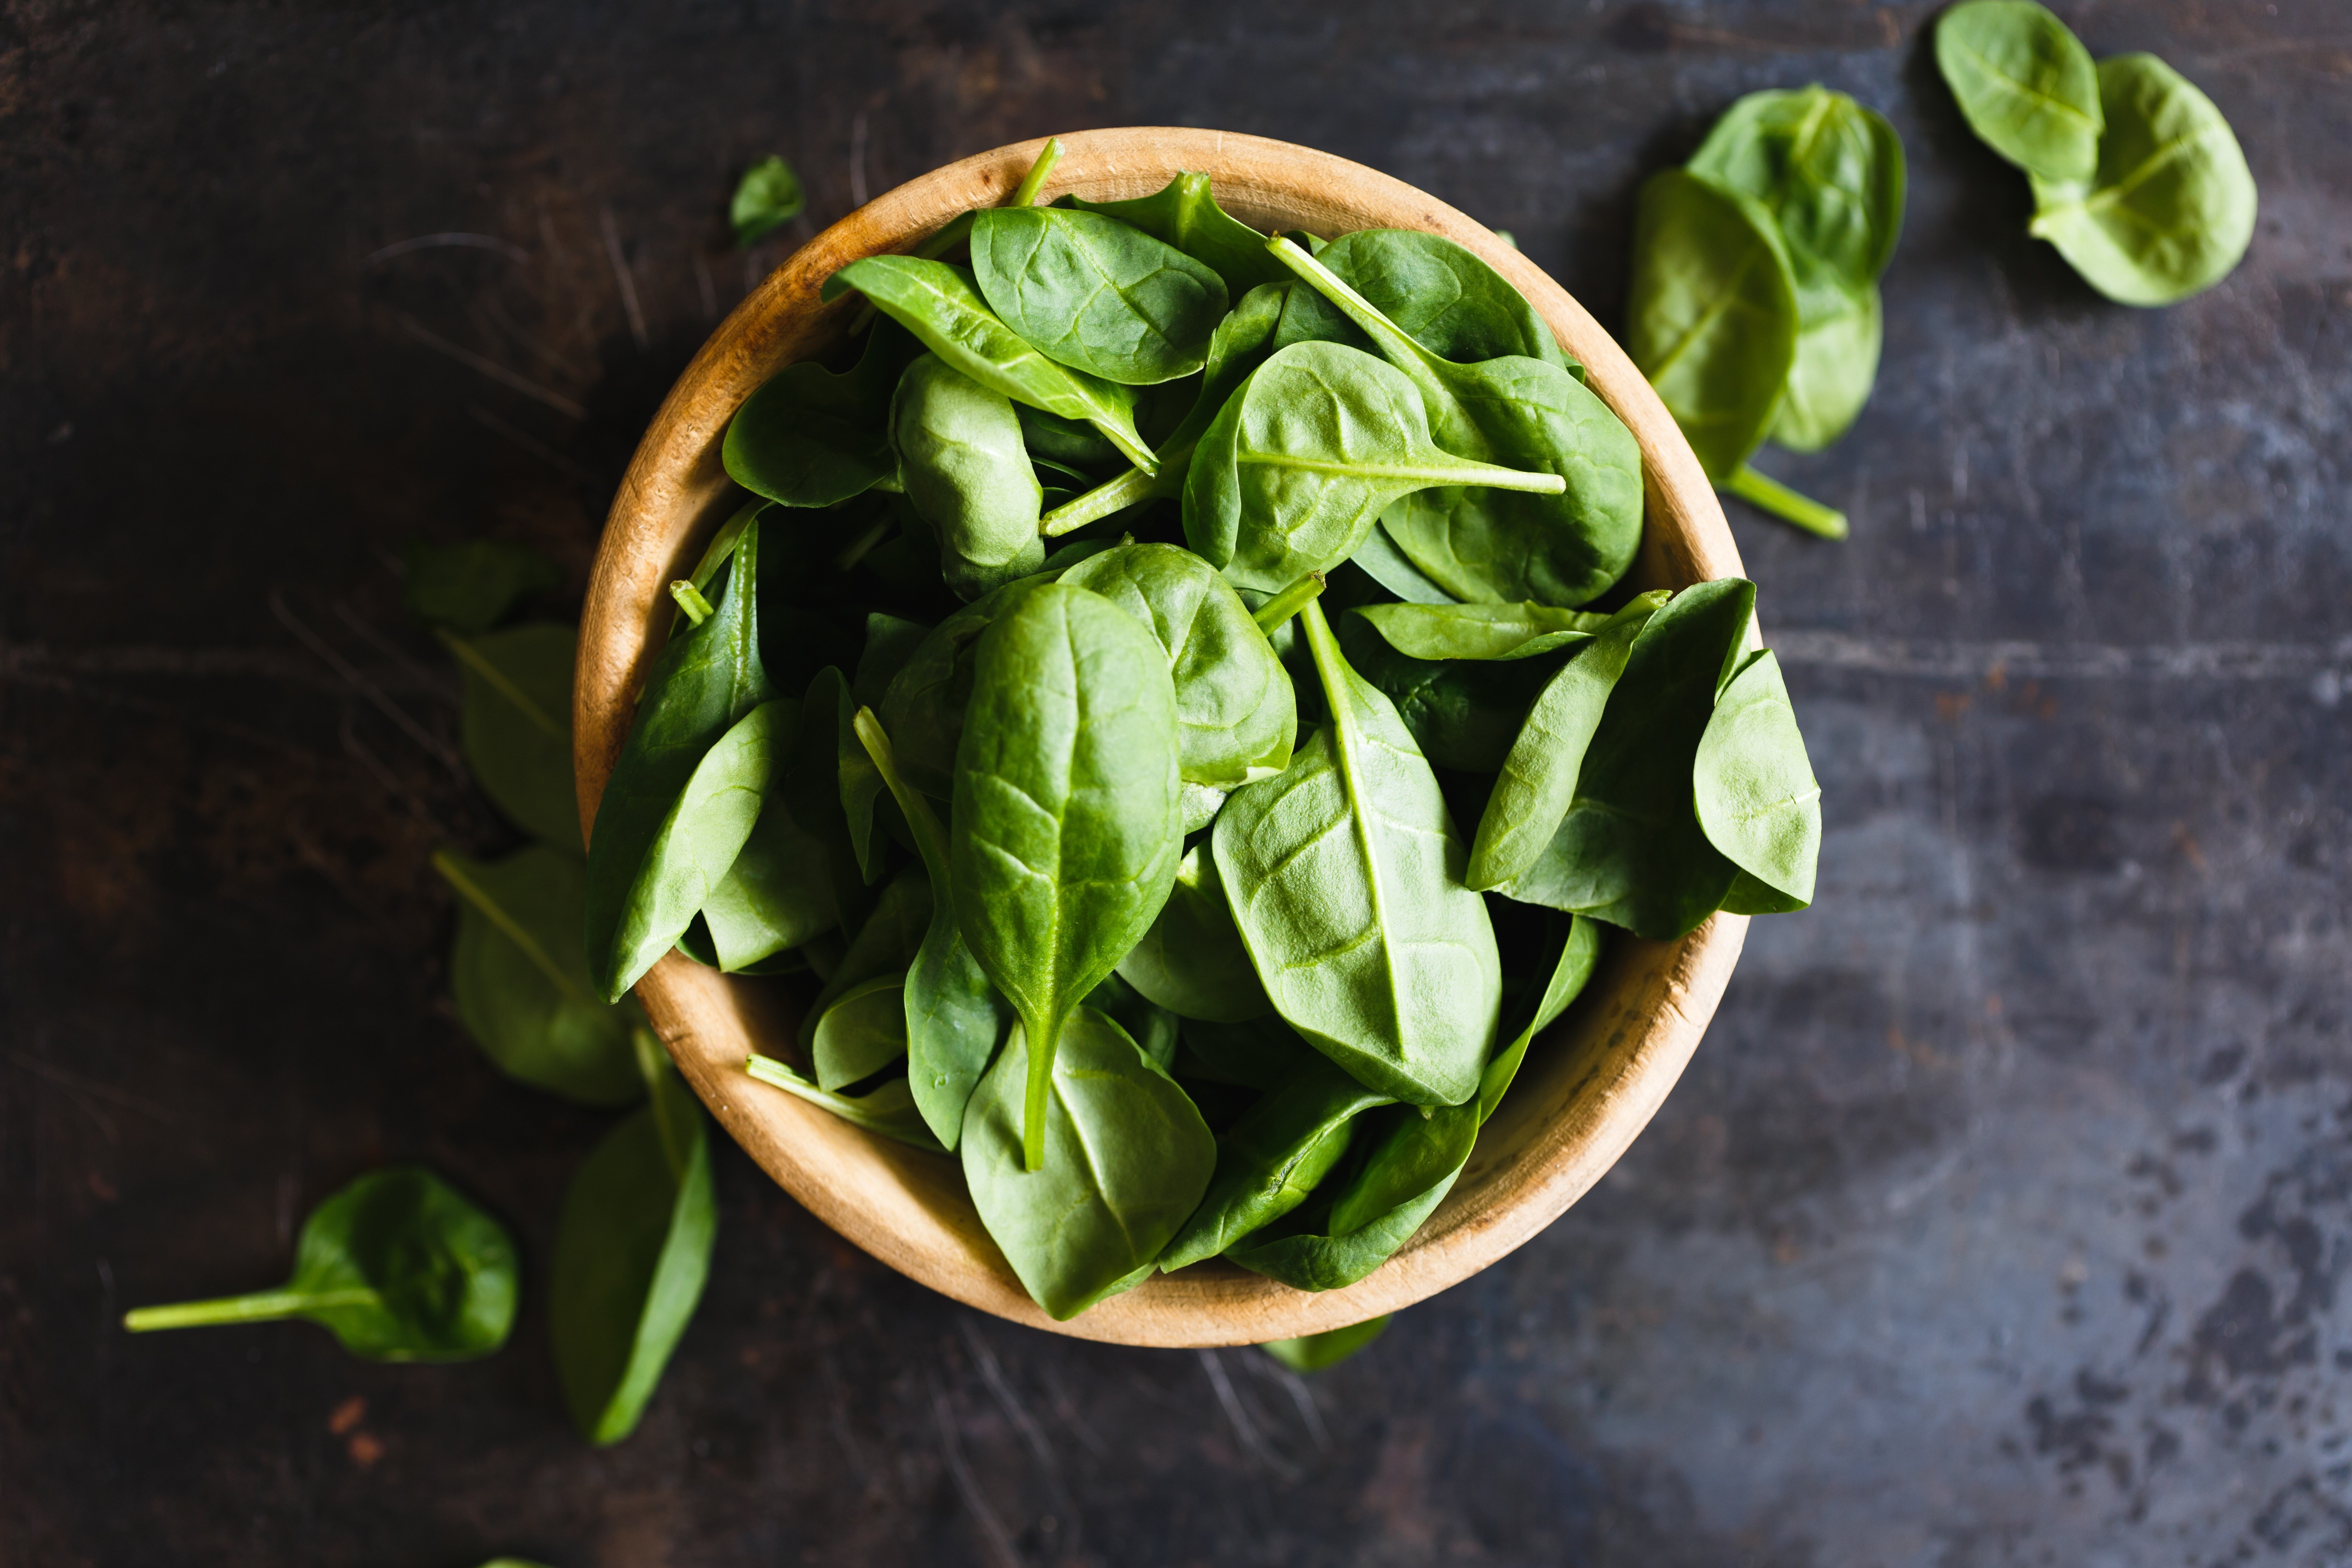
point(1152, 1027)
point(1464, 714)
point(2025, 83)
point(886, 944)
point(1096, 294)
point(1192, 961)
point(1236, 716)
point(1538, 780)
point(2170, 210)
point(1255, 1053)
point(1410, 1163)
point(924, 707)
point(515, 728)
point(1184, 212)
point(632, 1251)
point(1291, 476)
point(1345, 877)
point(1270, 1160)
point(780, 892)
point(470, 587)
point(699, 687)
point(862, 1033)
point(1831, 378)
point(1630, 850)
point(941, 305)
point(1380, 559)
point(1070, 441)
point(1712, 320)
point(810, 438)
point(968, 476)
point(1064, 837)
point(1315, 1351)
point(1479, 631)
point(767, 197)
point(1754, 785)
point(1125, 1159)
point(1442, 296)
point(889, 1111)
point(521, 982)
point(890, 642)
point(398, 1265)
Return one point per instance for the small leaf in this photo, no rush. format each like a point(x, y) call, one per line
point(767, 197)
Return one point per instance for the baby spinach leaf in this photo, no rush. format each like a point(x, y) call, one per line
point(968, 475)
point(767, 197)
point(1063, 836)
point(1269, 1161)
point(1630, 850)
point(1754, 787)
point(1464, 714)
point(1313, 1352)
point(1235, 714)
point(1192, 961)
point(862, 1033)
point(890, 642)
point(810, 438)
point(1558, 545)
point(886, 944)
point(1125, 1158)
point(1096, 294)
point(1379, 559)
point(1332, 1242)
point(1198, 805)
point(941, 305)
point(1070, 441)
point(924, 709)
point(1479, 631)
point(1256, 1053)
point(780, 892)
point(1292, 473)
point(1538, 779)
point(398, 1265)
point(470, 587)
point(2025, 83)
point(521, 982)
point(1345, 878)
point(1185, 214)
point(632, 1251)
point(952, 1018)
point(1570, 970)
point(2170, 209)
point(1831, 378)
point(888, 1111)
point(515, 728)
point(1152, 1027)
point(699, 687)
point(1442, 296)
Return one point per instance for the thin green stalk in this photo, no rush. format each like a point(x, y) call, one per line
point(690, 600)
point(1025, 193)
point(864, 540)
point(952, 232)
point(468, 656)
point(1270, 616)
point(1769, 495)
point(262, 1307)
point(1110, 495)
point(930, 838)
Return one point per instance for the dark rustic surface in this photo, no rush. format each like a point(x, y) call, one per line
point(1999, 1220)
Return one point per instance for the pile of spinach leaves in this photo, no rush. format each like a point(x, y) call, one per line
point(1172, 706)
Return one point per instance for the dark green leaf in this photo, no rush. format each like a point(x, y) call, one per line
point(968, 475)
point(1269, 1161)
point(1380, 558)
point(809, 438)
point(890, 642)
point(1754, 787)
point(516, 727)
point(2025, 85)
point(1315, 1351)
point(470, 587)
point(1192, 961)
point(1479, 631)
point(1256, 1053)
point(1185, 214)
point(886, 944)
point(1409, 1165)
point(1096, 294)
point(1070, 441)
point(782, 890)
point(767, 197)
point(863, 1032)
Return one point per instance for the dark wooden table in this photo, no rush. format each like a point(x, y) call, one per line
point(1999, 1220)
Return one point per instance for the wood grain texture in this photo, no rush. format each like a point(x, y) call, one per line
point(1589, 1087)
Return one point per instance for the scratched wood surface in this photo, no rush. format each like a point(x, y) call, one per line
point(2000, 1219)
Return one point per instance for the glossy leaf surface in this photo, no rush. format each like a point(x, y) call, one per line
point(1479, 631)
point(1754, 785)
point(1184, 212)
point(1099, 295)
point(968, 475)
point(1270, 1161)
point(863, 1032)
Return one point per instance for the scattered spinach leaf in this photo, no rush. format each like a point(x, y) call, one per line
point(767, 197)
point(515, 728)
point(470, 587)
point(1315, 1351)
point(2025, 83)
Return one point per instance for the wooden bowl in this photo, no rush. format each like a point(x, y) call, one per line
point(1588, 1087)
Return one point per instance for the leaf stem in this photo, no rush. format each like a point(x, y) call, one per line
point(1025, 193)
point(260, 1307)
point(467, 654)
point(1770, 495)
point(1112, 495)
point(690, 600)
point(930, 838)
point(1270, 616)
point(1033, 1103)
point(475, 894)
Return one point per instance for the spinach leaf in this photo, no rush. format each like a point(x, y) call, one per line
point(820, 786)
point(886, 944)
point(470, 587)
point(1071, 441)
point(2170, 210)
point(781, 891)
point(515, 728)
point(1479, 631)
point(1754, 787)
point(1292, 473)
point(398, 1265)
point(967, 475)
point(521, 982)
point(1331, 1243)
point(632, 1251)
point(1571, 971)
point(699, 687)
point(1125, 1158)
point(1379, 559)
point(767, 197)
point(1096, 294)
point(1345, 878)
point(1192, 961)
point(924, 709)
point(890, 642)
point(1152, 1027)
point(1442, 296)
point(1198, 805)
point(1630, 850)
point(1185, 214)
point(810, 438)
point(1464, 714)
point(2025, 85)
point(1313, 1352)
point(1538, 779)
point(1236, 716)
point(888, 1111)
point(1831, 378)
point(1270, 1161)
point(952, 1018)
point(1255, 1053)
point(1063, 836)
point(692, 850)
point(862, 1033)
point(941, 305)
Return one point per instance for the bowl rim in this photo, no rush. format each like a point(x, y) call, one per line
point(1590, 1083)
